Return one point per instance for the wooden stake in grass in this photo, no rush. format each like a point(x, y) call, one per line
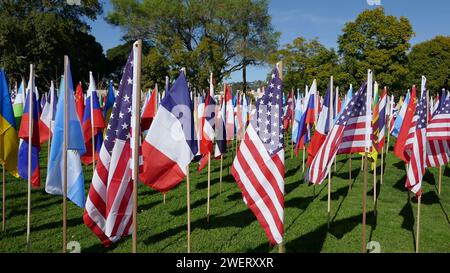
point(30, 134)
point(220, 175)
point(3, 200)
point(209, 187)
point(440, 180)
point(350, 172)
point(188, 205)
point(137, 56)
point(303, 160)
point(367, 145)
point(164, 198)
point(329, 168)
point(279, 66)
point(382, 166)
point(374, 182)
point(418, 223)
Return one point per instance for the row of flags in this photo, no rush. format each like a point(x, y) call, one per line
point(177, 126)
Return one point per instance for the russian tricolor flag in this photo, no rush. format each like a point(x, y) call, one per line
point(308, 117)
point(170, 144)
point(93, 123)
point(22, 163)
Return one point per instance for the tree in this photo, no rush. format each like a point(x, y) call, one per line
point(202, 35)
point(304, 61)
point(379, 42)
point(42, 32)
point(431, 59)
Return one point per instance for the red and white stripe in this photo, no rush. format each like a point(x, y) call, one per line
point(416, 157)
point(438, 152)
point(353, 140)
point(109, 208)
point(261, 180)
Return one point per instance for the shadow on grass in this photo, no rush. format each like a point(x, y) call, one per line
point(194, 205)
point(408, 218)
point(23, 212)
point(400, 184)
point(336, 194)
point(238, 219)
point(313, 241)
point(52, 225)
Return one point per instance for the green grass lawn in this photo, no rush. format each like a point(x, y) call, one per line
point(233, 227)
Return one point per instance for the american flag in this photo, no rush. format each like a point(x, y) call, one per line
point(108, 210)
point(415, 147)
point(438, 136)
point(346, 136)
point(259, 163)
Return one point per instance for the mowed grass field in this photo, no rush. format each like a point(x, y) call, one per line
point(233, 227)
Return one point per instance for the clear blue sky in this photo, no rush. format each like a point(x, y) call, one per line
point(323, 19)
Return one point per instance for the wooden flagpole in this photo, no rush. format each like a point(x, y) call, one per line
point(49, 141)
point(368, 143)
point(303, 160)
point(374, 182)
point(439, 186)
point(65, 145)
point(418, 223)
point(350, 172)
point(92, 125)
point(292, 124)
point(220, 176)
point(209, 188)
point(279, 66)
point(3, 200)
point(30, 137)
point(136, 134)
point(364, 246)
point(188, 205)
point(382, 166)
point(329, 168)
point(164, 198)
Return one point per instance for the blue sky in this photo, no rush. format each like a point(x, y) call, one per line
point(323, 19)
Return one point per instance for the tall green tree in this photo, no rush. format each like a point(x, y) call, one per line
point(202, 35)
point(304, 61)
point(42, 32)
point(431, 59)
point(379, 42)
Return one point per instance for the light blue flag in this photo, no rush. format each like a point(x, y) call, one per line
point(298, 116)
point(399, 120)
point(75, 148)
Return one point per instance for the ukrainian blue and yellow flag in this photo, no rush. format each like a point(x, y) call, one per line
point(9, 142)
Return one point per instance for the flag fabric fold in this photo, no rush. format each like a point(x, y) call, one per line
point(75, 148)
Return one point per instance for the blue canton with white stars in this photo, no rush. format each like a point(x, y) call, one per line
point(444, 108)
point(267, 120)
point(421, 111)
point(119, 122)
point(355, 108)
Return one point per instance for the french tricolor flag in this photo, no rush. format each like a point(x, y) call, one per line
point(170, 144)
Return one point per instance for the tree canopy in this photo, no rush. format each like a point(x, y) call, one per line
point(219, 36)
point(379, 42)
point(431, 59)
point(42, 32)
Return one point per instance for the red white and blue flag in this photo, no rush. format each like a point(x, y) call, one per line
point(415, 146)
point(93, 123)
point(108, 211)
point(46, 121)
point(258, 167)
point(348, 135)
point(25, 141)
point(170, 144)
point(207, 133)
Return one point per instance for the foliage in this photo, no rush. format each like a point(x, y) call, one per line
point(379, 42)
point(203, 36)
point(304, 61)
point(431, 59)
point(42, 32)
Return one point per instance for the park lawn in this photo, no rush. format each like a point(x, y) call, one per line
point(233, 227)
